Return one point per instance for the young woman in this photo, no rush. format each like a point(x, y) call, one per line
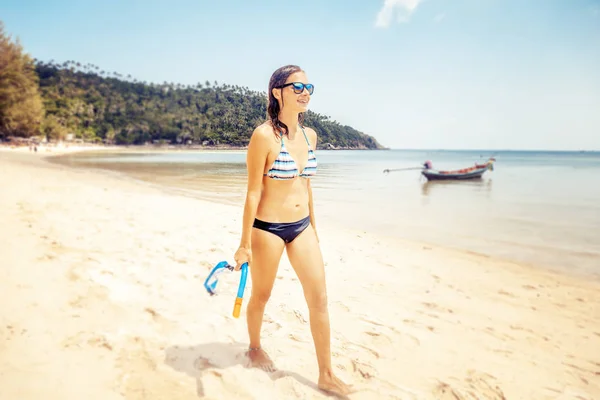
point(279, 214)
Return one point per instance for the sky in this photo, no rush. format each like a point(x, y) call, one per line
point(417, 74)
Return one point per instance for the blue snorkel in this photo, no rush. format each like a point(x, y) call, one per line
point(210, 284)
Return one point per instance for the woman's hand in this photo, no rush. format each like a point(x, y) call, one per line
point(242, 255)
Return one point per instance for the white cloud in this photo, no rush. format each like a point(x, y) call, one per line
point(402, 8)
point(438, 18)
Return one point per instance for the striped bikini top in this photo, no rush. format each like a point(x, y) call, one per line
point(284, 166)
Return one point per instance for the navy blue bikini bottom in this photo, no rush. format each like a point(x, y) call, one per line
point(287, 231)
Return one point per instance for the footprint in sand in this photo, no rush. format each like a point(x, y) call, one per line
point(364, 369)
point(271, 326)
point(437, 307)
point(396, 336)
point(505, 293)
point(164, 323)
point(341, 305)
point(358, 358)
point(498, 335)
point(374, 353)
point(477, 385)
point(486, 385)
point(300, 316)
point(590, 374)
point(73, 275)
point(141, 374)
point(378, 339)
point(300, 337)
point(91, 339)
point(534, 334)
point(8, 333)
point(503, 351)
point(48, 256)
point(372, 321)
point(90, 299)
point(356, 363)
point(444, 391)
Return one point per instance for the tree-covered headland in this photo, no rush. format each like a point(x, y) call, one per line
point(83, 101)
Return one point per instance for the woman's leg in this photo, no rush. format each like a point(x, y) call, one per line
point(266, 254)
point(306, 259)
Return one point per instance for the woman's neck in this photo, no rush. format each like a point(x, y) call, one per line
point(290, 119)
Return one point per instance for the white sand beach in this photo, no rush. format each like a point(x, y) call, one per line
point(102, 298)
point(44, 149)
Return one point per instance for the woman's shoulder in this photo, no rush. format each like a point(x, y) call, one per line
point(264, 128)
point(263, 133)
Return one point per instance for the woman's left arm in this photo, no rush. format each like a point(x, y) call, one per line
point(311, 210)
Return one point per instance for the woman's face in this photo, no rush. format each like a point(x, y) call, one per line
point(295, 97)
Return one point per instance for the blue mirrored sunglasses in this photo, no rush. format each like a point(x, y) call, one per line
point(299, 87)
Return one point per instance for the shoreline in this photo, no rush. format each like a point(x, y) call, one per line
point(208, 195)
point(105, 281)
point(63, 148)
point(205, 196)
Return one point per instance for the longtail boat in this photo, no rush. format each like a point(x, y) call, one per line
point(474, 172)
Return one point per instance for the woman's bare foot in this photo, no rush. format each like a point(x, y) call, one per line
point(330, 383)
point(260, 359)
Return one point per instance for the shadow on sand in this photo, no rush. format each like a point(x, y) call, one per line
point(193, 360)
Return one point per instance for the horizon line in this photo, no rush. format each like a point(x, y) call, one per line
point(495, 150)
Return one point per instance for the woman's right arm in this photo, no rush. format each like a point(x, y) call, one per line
point(256, 157)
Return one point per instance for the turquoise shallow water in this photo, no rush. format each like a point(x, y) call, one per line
point(536, 207)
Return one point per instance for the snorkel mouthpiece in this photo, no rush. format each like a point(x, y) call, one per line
point(237, 307)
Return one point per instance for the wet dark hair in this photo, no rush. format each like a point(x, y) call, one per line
point(279, 78)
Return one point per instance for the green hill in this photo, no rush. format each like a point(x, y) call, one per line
point(97, 105)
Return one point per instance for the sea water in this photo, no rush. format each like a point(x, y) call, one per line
point(541, 208)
